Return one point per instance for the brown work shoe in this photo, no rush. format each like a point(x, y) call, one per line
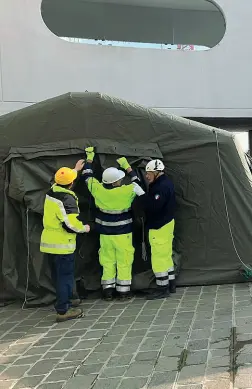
point(72, 313)
point(75, 302)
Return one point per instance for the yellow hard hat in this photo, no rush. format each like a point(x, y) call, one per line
point(65, 176)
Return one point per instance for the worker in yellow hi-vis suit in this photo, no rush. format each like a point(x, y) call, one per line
point(114, 223)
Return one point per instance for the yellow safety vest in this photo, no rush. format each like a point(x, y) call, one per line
point(60, 222)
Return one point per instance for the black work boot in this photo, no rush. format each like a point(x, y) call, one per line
point(125, 296)
point(161, 292)
point(172, 286)
point(108, 294)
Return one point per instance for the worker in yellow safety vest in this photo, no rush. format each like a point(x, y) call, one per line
point(114, 223)
point(58, 239)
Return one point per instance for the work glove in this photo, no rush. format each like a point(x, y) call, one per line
point(90, 153)
point(123, 163)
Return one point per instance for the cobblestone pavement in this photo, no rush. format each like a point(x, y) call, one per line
point(200, 338)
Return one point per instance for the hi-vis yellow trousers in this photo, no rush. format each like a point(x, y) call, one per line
point(161, 253)
point(116, 256)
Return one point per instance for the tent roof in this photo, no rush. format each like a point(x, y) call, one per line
point(92, 115)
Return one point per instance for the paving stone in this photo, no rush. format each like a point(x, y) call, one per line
point(170, 351)
point(86, 344)
point(146, 356)
point(217, 373)
point(16, 349)
point(200, 334)
point(150, 344)
point(118, 330)
point(139, 369)
point(28, 382)
point(157, 334)
point(125, 320)
point(202, 324)
point(14, 372)
point(73, 333)
point(134, 333)
point(82, 324)
point(111, 339)
point(220, 335)
point(27, 360)
point(243, 358)
point(111, 372)
point(42, 367)
point(129, 349)
point(167, 364)
point(133, 383)
point(245, 369)
point(179, 330)
point(65, 344)
point(219, 361)
point(104, 383)
point(36, 350)
point(200, 386)
point(98, 357)
point(90, 369)
point(162, 380)
point(176, 340)
point(243, 381)
point(220, 344)
point(222, 352)
point(137, 340)
point(81, 382)
point(60, 375)
point(198, 344)
point(192, 374)
point(5, 360)
point(122, 360)
point(106, 347)
point(196, 357)
point(94, 334)
point(45, 341)
point(77, 355)
point(7, 384)
point(54, 354)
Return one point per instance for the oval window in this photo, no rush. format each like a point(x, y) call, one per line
point(161, 24)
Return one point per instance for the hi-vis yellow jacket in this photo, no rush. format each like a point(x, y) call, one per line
point(60, 222)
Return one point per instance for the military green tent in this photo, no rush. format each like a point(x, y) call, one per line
point(213, 186)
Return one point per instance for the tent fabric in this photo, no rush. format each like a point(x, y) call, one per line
point(213, 227)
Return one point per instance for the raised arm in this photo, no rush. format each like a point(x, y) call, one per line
point(124, 164)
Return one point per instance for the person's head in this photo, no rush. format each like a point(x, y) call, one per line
point(154, 169)
point(113, 176)
point(65, 177)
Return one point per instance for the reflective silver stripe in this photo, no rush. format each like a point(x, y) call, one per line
point(161, 274)
point(108, 286)
point(171, 276)
point(86, 171)
point(106, 282)
point(114, 212)
point(113, 224)
point(58, 246)
point(119, 282)
point(64, 214)
point(134, 178)
point(162, 283)
point(171, 269)
point(123, 289)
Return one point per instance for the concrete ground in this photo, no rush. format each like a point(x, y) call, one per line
point(200, 338)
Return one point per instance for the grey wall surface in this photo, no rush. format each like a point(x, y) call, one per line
point(133, 24)
point(35, 64)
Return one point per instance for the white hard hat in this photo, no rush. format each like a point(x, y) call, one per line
point(155, 166)
point(112, 175)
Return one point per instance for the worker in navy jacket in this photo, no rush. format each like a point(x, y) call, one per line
point(159, 206)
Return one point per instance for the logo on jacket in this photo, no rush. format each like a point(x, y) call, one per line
point(157, 197)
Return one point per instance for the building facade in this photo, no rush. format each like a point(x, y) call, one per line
point(186, 57)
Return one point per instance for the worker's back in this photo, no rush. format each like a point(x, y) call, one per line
point(113, 208)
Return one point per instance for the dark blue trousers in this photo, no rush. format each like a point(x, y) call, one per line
point(62, 268)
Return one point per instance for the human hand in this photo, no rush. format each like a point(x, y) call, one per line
point(87, 227)
point(90, 153)
point(123, 163)
point(79, 165)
